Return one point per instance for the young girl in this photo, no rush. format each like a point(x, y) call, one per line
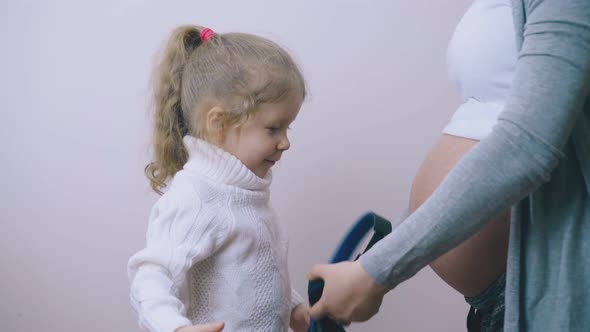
point(215, 252)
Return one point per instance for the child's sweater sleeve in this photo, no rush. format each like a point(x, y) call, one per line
point(178, 236)
point(550, 87)
point(296, 299)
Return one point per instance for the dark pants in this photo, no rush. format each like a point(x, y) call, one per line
point(487, 308)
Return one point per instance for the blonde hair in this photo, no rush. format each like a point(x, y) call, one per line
point(236, 71)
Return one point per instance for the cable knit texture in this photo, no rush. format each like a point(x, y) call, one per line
point(215, 251)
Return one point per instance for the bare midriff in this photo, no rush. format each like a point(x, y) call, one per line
point(476, 263)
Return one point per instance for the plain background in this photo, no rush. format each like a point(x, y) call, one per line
point(74, 136)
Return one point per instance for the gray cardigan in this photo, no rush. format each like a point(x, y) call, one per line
point(537, 160)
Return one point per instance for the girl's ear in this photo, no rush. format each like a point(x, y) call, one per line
point(215, 124)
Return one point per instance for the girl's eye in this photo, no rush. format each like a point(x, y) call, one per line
point(274, 130)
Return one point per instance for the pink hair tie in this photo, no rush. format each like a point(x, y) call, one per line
point(206, 34)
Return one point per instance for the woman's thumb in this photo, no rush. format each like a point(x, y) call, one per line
point(318, 310)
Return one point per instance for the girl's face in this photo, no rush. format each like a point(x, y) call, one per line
point(260, 142)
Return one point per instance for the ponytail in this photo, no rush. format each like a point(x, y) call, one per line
point(170, 123)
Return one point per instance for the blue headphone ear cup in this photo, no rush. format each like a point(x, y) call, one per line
point(325, 325)
point(314, 291)
point(357, 232)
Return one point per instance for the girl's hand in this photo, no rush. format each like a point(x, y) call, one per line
point(300, 318)
point(350, 293)
point(202, 328)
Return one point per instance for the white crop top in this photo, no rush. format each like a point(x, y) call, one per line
point(481, 58)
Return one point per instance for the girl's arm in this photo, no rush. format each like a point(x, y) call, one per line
point(178, 236)
point(296, 299)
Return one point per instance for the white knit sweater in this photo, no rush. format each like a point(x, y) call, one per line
point(215, 251)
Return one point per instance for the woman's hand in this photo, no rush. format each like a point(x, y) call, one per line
point(202, 328)
point(350, 293)
point(300, 318)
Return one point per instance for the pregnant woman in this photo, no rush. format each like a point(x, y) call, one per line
point(481, 61)
point(527, 99)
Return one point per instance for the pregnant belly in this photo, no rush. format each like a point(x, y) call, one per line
point(477, 262)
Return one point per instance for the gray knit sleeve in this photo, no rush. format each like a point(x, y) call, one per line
point(551, 85)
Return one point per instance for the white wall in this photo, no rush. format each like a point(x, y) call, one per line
point(74, 136)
